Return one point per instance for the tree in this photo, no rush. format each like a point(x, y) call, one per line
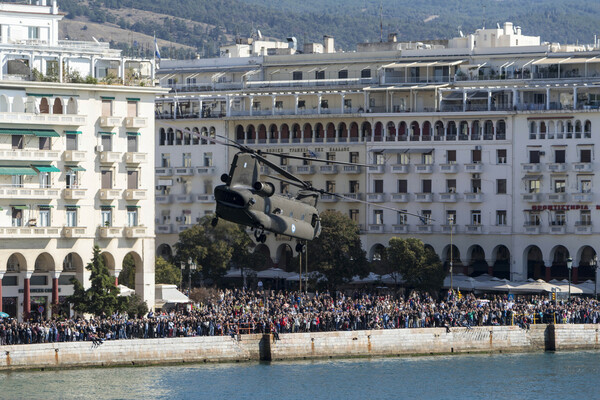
point(102, 298)
point(337, 252)
point(166, 272)
point(420, 267)
point(213, 249)
point(136, 307)
point(127, 275)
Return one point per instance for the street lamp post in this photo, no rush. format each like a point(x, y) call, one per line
point(192, 266)
point(451, 223)
point(594, 266)
point(569, 266)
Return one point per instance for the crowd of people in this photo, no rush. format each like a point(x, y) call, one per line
point(233, 312)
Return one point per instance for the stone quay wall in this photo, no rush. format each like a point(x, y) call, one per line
point(393, 342)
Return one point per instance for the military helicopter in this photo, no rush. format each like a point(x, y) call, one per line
point(248, 198)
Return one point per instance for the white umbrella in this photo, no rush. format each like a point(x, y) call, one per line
point(233, 273)
point(125, 291)
point(392, 279)
point(371, 278)
point(273, 273)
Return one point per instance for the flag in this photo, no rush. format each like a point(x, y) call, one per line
point(156, 51)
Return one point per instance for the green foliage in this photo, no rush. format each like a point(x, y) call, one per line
point(213, 249)
point(337, 252)
point(127, 275)
point(419, 266)
point(102, 298)
point(136, 307)
point(166, 272)
point(205, 25)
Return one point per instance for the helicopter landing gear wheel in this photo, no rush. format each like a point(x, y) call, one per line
point(262, 238)
point(214, 222)
point(259, 234)
point(299, 247)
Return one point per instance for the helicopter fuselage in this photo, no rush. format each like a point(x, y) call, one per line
point(279, 214)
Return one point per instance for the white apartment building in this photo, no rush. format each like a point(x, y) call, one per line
point(492, 135)
point(75, 162)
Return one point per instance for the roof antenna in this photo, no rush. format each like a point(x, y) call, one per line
point(381, 22)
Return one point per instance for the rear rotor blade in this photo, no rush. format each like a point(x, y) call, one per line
point(313, 159)
point(379, 206)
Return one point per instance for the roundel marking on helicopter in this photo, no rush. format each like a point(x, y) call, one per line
point(245, 164)
point(293, 228)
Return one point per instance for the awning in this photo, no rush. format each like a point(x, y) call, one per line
point(169, 294)
point(45, 206)
point(106, 206)
point(133, 207)
point(107, 97)
point(532, 177)
point(549, 61)
point(35, 132)
point(39, 95)
point(19, 207)
point(75, 168)
point(46, 168)
point(478, 95)
point(419, 151)
point(71, 206)
point(17, 171)
point(107, 133)
point(133, 99)
point(453, 96)
point(133, 134)
point(418, 64)
point(73, 132)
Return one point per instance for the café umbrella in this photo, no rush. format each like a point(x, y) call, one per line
point(4, 315)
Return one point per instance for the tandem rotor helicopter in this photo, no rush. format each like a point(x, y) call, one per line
point(248, 198)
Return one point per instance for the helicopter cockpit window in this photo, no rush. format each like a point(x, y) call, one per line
point(267, 208)
point(277, 211)
point(313, 221)
point(302, 217)
point(291, 214)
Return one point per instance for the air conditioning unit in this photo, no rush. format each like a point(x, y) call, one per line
point(99, 148)
point(476, 176)
point(542, 153)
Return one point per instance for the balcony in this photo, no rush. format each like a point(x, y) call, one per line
point(474, 167)
point(400, 168)
point(183, 198)
point(135, 158)
point(583, 227)
point(447, 228)
point(532, 197)
point(557, 167)
point(205, 198)
point(29, 155)
point(352, 169)
point(44, 119)
point(582, 167)
point(557, 197)
point(162, 199)
point(164, 229)
point(473, 228)
point(423, 168)
point(182, 171)
point(135, 232)
point(205, 170)
point(305, 169)
point(135, 194)
point(424, 197)
point(12, 192)
point(164, 171)
point(400, 197)
point(531, 229)
point(136, 122)
point(376, 228)
point(265, 170)
point(328, 198)
point(109, 194)
point(448, 197)
point(26, 232)
point(110, 232)
point(110, 122)
point(424, 228)
point(74, 194)
point(74, 231)
point(449, 168)
point(109, 157)
point(376, 197)
point(400, 228)
point(377, 169)
point(352, 196)
point(530, 168)
point(74, 155)
point(181, 228)
point(328, 169)
point(472, 197)
point(582, 197)
point(558, 229)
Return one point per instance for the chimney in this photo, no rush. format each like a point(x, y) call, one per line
point(392, 37)
point(328, 42)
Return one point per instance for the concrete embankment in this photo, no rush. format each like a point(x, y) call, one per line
point(394, 342)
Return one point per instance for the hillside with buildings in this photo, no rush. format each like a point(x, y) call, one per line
point(205, 25)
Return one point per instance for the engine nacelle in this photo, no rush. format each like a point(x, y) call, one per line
point(264, 188)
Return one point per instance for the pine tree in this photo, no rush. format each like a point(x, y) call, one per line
point(102, 298)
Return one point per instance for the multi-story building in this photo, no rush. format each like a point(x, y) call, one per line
point(491, 135)
point(75, 161)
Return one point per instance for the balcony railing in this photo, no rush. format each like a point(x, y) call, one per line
point(27, 192)
point(425, 228)
point(205, 198)
point(328, 169)
point(109, 194)
point(163, 171)
point(136, 122)
point(582, 197)
point(352, 196)
point(473, 197)
point(352, 169)
point(110, 232)
point(162, 199)
point(29, 155)
point(449, 168)
point(474, 167)
point(400, 197)
point(529, 167)
point(328, 198)
point(109, 157)
point(424, 197)
point(376, 197)
point(400, 228)
point(135, 158)
point(205, 170)
point(305, 169)
point(473, 228)
point(582, 167)
point(25, 232)
point(135, 194)
point(377, 169)
point(74, 194)
point(376, 228)
point(74, 155)
point(44, 119)
point(183, 171)
point(557, 197)
point(110, 122)
point(135, 231)
point(557, 167)
point(74, 231)
point(164, 229)
point(400, 168)
point(448, 197)
point(532, 197)
point(424, 168)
